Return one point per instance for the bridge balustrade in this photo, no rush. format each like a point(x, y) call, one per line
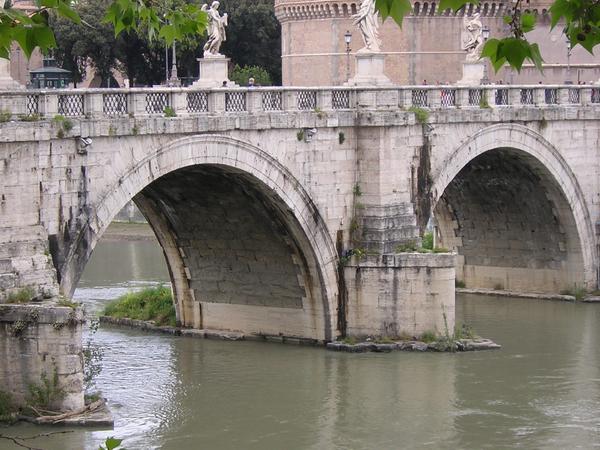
point(186, 101)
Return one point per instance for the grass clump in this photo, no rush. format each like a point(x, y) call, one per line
point(7, 407)
point(427, 241)
point(169, 112)
point(33, 117)
point(154, 304)
point(460, 284)
point(428, 336)
point(421, 115)
point(5, 116)
point(576, 291)
point(24, 295)
point(407, 247)
point(463, 331)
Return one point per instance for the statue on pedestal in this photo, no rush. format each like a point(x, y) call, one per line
point(216, 30)
point(472, 38)
point(367, 21)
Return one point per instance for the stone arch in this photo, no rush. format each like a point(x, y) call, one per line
point(543, 160)
point(282, 192)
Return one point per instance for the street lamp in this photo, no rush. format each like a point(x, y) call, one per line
point(174, 81)
point(485, 33)
point(347, 40)
point(569, 48)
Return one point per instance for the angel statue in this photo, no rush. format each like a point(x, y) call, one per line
point(472, 38)
point(367, 21)
point(216, 30)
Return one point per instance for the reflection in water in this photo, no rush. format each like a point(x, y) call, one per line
point(540, 391)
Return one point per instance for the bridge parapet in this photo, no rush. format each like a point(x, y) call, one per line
point(185, 101)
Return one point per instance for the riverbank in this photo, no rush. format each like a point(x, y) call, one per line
point(128, 231)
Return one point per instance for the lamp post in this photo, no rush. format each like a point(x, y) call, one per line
point(568, 80)
point(485, 33)
point(174, 80)
point(347, 40)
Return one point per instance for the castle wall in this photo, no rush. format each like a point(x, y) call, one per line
point(427, 49)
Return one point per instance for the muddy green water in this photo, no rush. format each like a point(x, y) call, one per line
point(541, 391)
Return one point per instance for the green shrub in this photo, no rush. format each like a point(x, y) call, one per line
point(440, 250)
point(463, 331)
point(427, 241)
point(7, 406)
point(169, 112)
point(428, 336)
point(148, 304)
point(459, 284)
point(43, 394)
point(241, 75)
point(421, 115)
point(24, 295)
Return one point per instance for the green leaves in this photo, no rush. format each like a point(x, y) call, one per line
point(454, 5)
point(131, 15)
point(111, 444)
point(512, 51)
point(396, 9)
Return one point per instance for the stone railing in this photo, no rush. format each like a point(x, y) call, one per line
point(184, 101)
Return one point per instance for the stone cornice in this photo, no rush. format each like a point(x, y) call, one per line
point(323, 9)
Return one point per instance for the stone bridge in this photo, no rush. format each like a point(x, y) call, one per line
point(294, 211)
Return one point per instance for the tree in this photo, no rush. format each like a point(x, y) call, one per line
point(31, 30)
point(96, 44)
point(254, 35)
point(241, 75)
point(580, 18)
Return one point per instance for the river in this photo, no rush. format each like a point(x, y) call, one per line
point(541, 390)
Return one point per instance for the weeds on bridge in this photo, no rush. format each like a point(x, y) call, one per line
point(63, 124)
point(421, 115)
point(23, 295)
point(5, 116)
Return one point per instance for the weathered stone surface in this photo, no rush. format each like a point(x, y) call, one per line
point(42, 340)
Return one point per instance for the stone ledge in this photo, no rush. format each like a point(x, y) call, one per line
point(398, 260)
point(44, 312)
point(460, 345)
point(502, 293)
point(206, 333)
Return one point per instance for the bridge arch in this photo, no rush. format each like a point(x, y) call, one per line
point(273, 213)
point(535, 234)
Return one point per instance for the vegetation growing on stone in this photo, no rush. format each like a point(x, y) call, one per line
point(5, 116)
point(169, 112)
point(421, 115)
point(428, 336)
point(154, 304)
point(7, 407)
point(43, 394)
point(23, 295)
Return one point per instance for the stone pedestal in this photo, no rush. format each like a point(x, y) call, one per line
point(42, 342)
point(6, 81)
point(369, 71)
point(473, 73)
point(404, 294)
point(213, 71)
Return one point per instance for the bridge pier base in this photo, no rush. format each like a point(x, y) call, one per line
point(400, 295)
point(41, 354)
